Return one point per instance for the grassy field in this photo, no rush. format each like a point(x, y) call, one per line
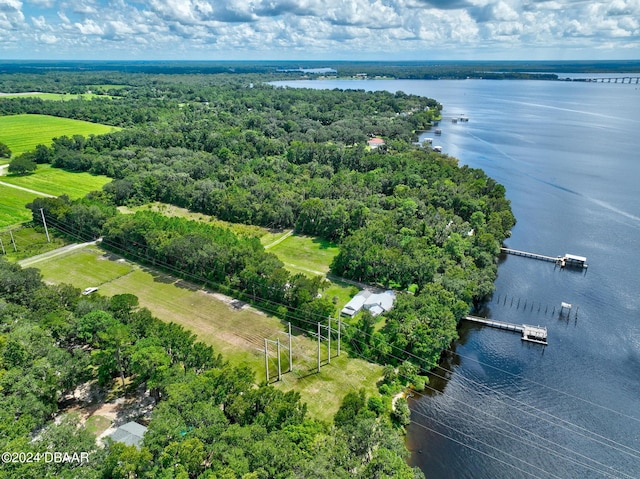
point(232, 328)
point(305, 254)
point(12, 208)
point(23, 132)
point(51, 96)
point(29, 242)
point(56, 181)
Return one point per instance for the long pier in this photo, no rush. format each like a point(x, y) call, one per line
point(534, 334)
point(629, 80)
point(566, 260)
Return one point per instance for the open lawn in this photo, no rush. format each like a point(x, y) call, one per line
point(305, 254)
point(231, 327)
point(51, 96)
point(29, 242)
point(55, 181)
point(23, 132)
point(12, 210)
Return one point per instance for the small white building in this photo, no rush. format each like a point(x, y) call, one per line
point(375, 303)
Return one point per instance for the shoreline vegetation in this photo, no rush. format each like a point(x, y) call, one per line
point(230, 146)
point(34, 81)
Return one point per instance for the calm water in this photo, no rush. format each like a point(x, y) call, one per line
point(569, 156)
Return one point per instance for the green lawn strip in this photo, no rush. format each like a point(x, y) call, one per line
point(237, 333)
point(23, 132)
point(307, 253)
point(54, 96)
point(12, 205)
point(339, 293)
point(56, 181)
point(271, 237)
point(83, 268)
point(29, 242)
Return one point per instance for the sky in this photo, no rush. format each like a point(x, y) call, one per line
point(320, 29)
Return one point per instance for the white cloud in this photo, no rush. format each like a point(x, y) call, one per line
point(39, 22)
point(42, 3)
point(89, 28)
point(322, 28)
point(48, 39)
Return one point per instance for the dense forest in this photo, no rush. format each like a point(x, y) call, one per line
point(209, 420)
point(404, 216)
point(426, 70)
point(239, 149)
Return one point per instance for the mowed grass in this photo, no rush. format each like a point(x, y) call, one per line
point(29, 242)
point(234, 329)
point(51, 96)
point(56, 181)
point(306, 254)
point(24, 132)
point(12, 205)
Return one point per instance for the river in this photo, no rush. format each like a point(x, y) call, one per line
point(568, 154)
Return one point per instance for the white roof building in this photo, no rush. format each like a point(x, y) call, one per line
point(376, 303)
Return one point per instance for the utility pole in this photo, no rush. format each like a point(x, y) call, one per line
point(290, 350)
point(278, 349)
point(329, 342)
point(319, 337)
point(44, 222)
point(13, 241)
point(339, 328)
point(266, 359)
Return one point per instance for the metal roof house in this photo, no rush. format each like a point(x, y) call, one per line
point(356, 303)
point(376, 303)
point(130, 434)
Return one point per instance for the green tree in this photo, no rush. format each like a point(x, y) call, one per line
point(21, 165)
point(5, 151)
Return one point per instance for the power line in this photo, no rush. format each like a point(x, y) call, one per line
point(572, 396)
point(262, 300)
point(513, 436)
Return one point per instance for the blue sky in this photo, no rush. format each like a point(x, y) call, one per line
point(320, 29)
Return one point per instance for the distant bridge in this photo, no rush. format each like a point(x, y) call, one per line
point(635, 80)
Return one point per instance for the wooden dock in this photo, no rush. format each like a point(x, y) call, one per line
point(534, 334)
point(562, 261)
